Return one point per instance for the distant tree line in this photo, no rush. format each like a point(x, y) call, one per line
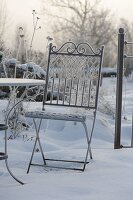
point(71, 20)
point(87, 21)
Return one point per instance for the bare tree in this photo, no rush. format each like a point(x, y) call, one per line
point(82, 21)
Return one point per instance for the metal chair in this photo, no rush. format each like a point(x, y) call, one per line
point(72, 80)
point(4, 154)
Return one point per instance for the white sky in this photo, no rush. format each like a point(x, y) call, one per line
point(121, 8)
point(20, 11)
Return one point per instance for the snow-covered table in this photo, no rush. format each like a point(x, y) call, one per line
point(17, 82)
point(20, 82)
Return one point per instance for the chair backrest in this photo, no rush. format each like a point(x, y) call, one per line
point(73, 75)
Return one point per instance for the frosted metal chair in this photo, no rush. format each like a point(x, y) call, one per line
point(72, 80)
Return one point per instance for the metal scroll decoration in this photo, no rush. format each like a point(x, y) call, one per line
point(72, 48)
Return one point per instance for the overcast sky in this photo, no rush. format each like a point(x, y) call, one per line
point(121, 8)
point(21, 8)
point(20, 11)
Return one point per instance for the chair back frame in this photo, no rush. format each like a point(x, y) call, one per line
point(73, 75)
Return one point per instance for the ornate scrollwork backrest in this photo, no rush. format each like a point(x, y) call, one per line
point(73, 75)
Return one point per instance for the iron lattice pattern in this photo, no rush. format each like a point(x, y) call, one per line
point(73, 79)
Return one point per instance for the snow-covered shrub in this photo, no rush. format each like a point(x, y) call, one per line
point(105, 106)
point(109, 72)
point(36, 70)
point(107, 96)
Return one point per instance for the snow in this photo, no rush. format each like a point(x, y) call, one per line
point(12, 61)
point(108, 176)
point(20, 82)
point(108, 69)
point(35, 68)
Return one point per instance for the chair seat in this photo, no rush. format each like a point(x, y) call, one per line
point(55, 116)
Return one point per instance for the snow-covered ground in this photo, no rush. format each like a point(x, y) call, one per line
point(108, 176)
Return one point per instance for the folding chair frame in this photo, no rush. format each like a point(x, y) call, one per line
point(37, 140)
point(68, 64)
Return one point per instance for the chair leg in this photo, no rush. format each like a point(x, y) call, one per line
point(33, 151)
point(16, 179)
point(37, 140)
point(90, 153)
point(88, 144)
point(6, 162)
point(92, 129)
point(37, 129)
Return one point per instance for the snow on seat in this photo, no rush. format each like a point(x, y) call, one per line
point(55, 116)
